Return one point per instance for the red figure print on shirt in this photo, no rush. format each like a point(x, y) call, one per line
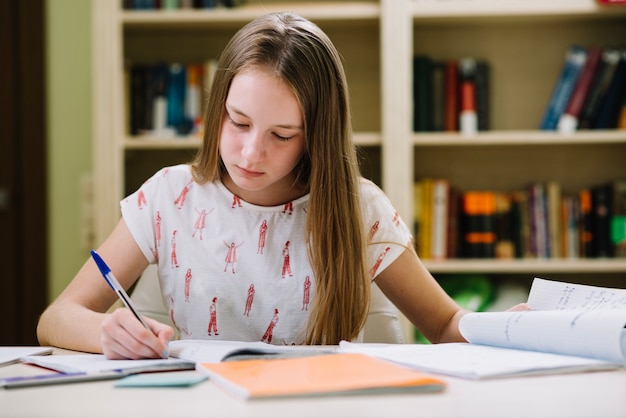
point(306, 294)
point(141, 199)
point(174, 257)
point(379, 260)
point(373, 231)
point(231, 255)
point(157, 228)
point(198, 226)
point(262, 236)
point(249, 300)
point(213, 318)
point(269, 332)
point(288, 208)
point(236, 201)
point(180, 200)
point(286, 264)
point(188, 276)
point(396, 218)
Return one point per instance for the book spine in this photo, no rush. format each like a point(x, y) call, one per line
point(601, 220)
point(618, 218)
point(468, 118)
point(479, 234)
point(176, 89)
point(585, 224)
point(451, 96)
point(482, 94)
point(440, 192)
point(454, 225)
point(568, 121)
point(504, 248)
point(599, 88)
point(438, 82)
point(422, 93)
point(611, 105)
point(574, 60)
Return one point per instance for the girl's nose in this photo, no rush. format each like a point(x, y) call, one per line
point(253, 149)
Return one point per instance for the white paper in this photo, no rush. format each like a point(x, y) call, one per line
point(565, 318)
point(12, 354)
point(211, 351)
point(472, 361)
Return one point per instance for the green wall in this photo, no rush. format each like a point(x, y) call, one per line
point(68, 45)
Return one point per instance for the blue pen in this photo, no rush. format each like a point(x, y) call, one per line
point(117, 288)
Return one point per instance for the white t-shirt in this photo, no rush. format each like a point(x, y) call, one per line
point(231, 270)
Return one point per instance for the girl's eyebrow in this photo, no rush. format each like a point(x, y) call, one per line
point(231, 108)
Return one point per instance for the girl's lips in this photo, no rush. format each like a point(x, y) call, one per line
point(249, 173)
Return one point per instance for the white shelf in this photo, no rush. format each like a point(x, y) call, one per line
point(531, 266)
point(316, 11)
point(520, 138)
point(478, 11)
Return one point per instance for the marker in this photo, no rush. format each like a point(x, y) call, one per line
point(117, 288)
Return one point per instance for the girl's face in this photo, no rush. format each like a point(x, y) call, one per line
point(262, 138)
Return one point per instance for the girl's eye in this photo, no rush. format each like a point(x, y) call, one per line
point(237, 124)
point(283, 138)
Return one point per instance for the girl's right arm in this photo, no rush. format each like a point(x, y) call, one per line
point(78, 318)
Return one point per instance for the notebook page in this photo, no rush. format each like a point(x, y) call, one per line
point(553, 295)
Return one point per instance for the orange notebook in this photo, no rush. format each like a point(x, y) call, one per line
point(329, 374)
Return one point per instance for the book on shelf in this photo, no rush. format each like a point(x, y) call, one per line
point(599, 88)
point(478, 229)
point(570, 328)
point(585, 224)
point(575, 59)
point(601, 220)
point(610, 106)
point(450, 95)
point(422, 93)
point(166, 99)
point(482, 94)
point(178, 4)
point(568, 121)
point(537, 221)
point(618, 218)
point(320, 375)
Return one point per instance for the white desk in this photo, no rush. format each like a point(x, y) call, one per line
point(588, 395)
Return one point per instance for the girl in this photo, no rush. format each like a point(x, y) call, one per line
point(277, 141)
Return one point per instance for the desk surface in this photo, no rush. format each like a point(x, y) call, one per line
point(593, 394)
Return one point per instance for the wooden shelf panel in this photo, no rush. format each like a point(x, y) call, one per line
point(523, 138)
point(327, 12)
point(480, 11)
point(527, 266)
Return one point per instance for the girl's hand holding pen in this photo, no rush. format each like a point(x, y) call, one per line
point(123, 337)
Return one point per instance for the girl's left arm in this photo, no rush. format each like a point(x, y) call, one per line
point(411, 287)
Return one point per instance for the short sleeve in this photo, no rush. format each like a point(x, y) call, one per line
point(387, 234)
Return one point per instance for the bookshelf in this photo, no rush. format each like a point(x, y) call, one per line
point(523, 41)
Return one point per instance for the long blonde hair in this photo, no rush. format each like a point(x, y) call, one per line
point(303, 56)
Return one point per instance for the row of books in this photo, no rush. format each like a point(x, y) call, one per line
point(539, 221)
point(450, 95)
point(177, 4)
point(167, 99)
point(590, 91)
